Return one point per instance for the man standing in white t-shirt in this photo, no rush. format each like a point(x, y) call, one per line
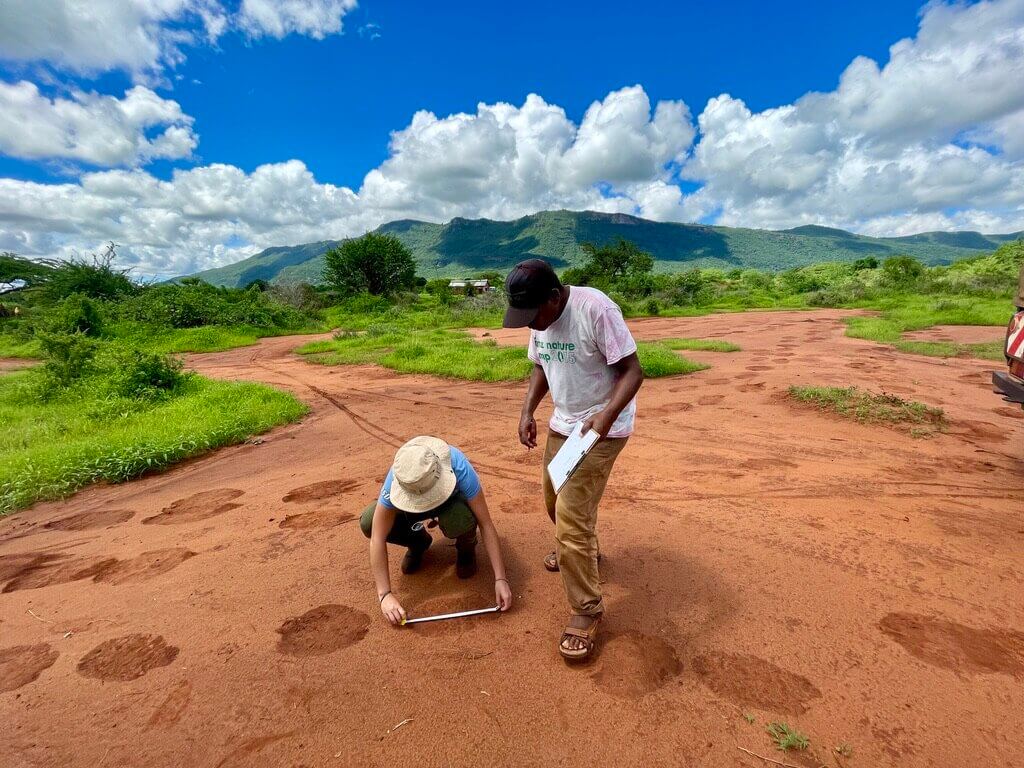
point(585, 356)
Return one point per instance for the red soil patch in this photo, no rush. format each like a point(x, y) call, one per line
point(145, 566)
point(84, 521)
point(198, 506)
point(763, 546)
point(322, 630)
point(22, 664)
point(126, 658)
point(960, 334)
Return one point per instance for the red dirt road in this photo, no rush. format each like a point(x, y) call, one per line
point(857, 583)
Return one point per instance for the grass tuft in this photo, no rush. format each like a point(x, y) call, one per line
point(49, 450)
point(701, 345)
point(786, 738)
point(456, 355)
point(870, 408)
point(901, 314)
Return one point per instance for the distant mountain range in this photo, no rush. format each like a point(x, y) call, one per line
point(463, 247)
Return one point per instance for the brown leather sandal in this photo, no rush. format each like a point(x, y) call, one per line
point(588, 635)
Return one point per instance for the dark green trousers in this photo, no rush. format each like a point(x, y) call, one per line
point(454, 518)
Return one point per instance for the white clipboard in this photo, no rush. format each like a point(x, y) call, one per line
point(569, 456)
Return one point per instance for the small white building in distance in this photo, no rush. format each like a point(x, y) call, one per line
point(470, 285)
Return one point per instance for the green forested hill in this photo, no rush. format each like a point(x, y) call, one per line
point(467, 246)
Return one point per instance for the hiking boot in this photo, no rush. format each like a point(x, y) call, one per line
point(413, 559)
point(465, 562)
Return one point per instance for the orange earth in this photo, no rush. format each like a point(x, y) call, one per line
point(762, 559)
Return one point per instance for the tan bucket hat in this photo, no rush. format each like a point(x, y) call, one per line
point(423, 476)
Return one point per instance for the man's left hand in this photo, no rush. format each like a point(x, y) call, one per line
point(599, 423)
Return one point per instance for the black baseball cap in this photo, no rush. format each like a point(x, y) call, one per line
point(528, 286)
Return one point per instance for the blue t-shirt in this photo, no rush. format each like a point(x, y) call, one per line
point(467, 484)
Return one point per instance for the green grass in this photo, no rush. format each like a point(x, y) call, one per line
point(902, 314)
point(990, 350)
point(50, 450)
point(456, 355)
point(869, 408)
point(13, 346)
point(659, 360)
point(787, 738)
point(207, 338)
point(701, 345)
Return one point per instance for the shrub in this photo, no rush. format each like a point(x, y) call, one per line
point(902, 271)
point(76, 314)
point(652, 307)
point(68, 357)
point(132, 373)
point(96, 278)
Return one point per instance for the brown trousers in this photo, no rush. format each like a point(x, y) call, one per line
point(574, 513)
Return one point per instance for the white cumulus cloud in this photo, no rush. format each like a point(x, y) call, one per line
point(92, 128)
point(278, 18)
point(502, 161)
point(932, 138)
point(145, 37)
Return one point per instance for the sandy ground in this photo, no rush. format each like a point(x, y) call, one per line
point(862, 585)
point(15, 363)
point(962, 334)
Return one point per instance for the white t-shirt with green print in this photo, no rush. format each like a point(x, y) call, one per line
point(577, 352)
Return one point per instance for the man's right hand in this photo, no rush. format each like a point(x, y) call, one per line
point(392, 610)
point(528, 431)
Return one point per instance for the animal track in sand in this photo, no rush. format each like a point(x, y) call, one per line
point(982, 431)
point(520, 506)
point(760, 368)
point(21, 664)
point(145, 566)
point(633, 664)
point(448, 604)
point(83, 521)
point(320, 519)
point(710, 399)
point(49, 573)
point(322, 490)
point(12, 565)
point(198, 506)
point(1012, 413)
point(767, 463)
point(322, 630)
point(755, 682)
point(957, 647)
point(170, 711)
point(755, 386)
point(126, 658)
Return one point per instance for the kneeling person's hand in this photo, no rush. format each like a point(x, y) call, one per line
point(503, 594)
point(392, 610)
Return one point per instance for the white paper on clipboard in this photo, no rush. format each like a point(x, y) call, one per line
point(569, 456)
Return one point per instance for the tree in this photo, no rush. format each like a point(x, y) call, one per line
point(614, 262)
point(622, 267)
point(902, 271)
point(375, 264)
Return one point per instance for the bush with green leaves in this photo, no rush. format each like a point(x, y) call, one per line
point(75, 314)
point(377, 264)
point(132, 373)
point(68, 358)
point(96, 278)
point(194, 304)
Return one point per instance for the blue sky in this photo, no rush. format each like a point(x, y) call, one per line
point(217, 129)
point(333, 102)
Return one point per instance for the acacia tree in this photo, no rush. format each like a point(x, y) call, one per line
point(373, 263)
point(620, 266)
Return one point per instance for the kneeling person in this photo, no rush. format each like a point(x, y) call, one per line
point(430, 483)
